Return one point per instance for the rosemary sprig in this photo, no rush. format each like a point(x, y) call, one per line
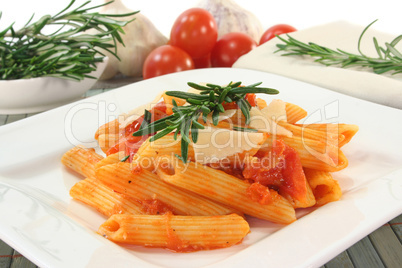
point(185, 118)
point(389, 58)
point(70, 52)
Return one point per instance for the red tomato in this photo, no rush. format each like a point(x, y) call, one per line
point(230, 47)
point(276, 30)
point(166, 59)
point(195, 32)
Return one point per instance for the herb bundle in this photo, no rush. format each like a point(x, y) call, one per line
point(184, 119)
point(69, 52)
point(389, 58)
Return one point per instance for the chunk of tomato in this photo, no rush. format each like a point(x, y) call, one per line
point(279, 169)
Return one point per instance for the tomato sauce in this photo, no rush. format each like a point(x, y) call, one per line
point(279, 169)
point(155, 207)
point(130, 144)
point(259, 193)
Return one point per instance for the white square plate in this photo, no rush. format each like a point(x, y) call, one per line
point(41, 221)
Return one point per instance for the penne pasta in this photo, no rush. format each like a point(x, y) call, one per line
point(177, 233)
point(111, 159)
point(149, 151)
point(144, 185)
point(308, 201)
point(111, 127)
point(325, 188)
point(346, 130)
point(330, 137)
point(106, 141)
point(316, 154)
point(294, 113)
point(102, 198)
point(81, 160)
point(225, 189)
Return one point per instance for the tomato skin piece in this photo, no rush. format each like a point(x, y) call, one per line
point(277, 29)
point(230, 47)
point(195, 31)
point(166, 59)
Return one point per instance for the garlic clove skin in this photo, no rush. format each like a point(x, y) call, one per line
point(231, 17)
point(112, 67)
point(140, 38)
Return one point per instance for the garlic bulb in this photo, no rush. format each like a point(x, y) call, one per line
point(140, 38)
point(230, 17)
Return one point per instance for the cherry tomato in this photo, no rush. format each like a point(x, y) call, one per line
point(166, 59)
point(195, 32)
point(276, 30)
point(230, 47)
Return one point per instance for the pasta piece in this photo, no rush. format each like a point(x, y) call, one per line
point(325, 188)
point(309, 201)
point(346, 130)
point(111, 159)
point(294, 113)
point(167, 145)
point(111, 127)
point(143, 185)
point(177, 233)
point(81, 160)
point(225, 189)
point(261, 103)
point(97, 195)
point(329, 137)
point(316, 154)
point(106, 141)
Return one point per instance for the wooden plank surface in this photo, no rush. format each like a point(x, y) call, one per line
point(387, 245)
point(6, 253)
point(342, 260)
point(363, 254)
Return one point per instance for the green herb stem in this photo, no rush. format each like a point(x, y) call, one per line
point(389, 58)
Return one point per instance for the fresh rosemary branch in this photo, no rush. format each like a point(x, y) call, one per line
point(389, 58)
point(69, 52)
point(185, 118)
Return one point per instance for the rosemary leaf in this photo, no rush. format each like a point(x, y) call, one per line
point(244, 129)
point(389, 58)
point(124, 159)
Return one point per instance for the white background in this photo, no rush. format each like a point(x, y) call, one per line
point(300, 14)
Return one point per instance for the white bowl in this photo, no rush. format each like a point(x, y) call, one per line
point(32, 95)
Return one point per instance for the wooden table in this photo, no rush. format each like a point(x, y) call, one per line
point(382, 248)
